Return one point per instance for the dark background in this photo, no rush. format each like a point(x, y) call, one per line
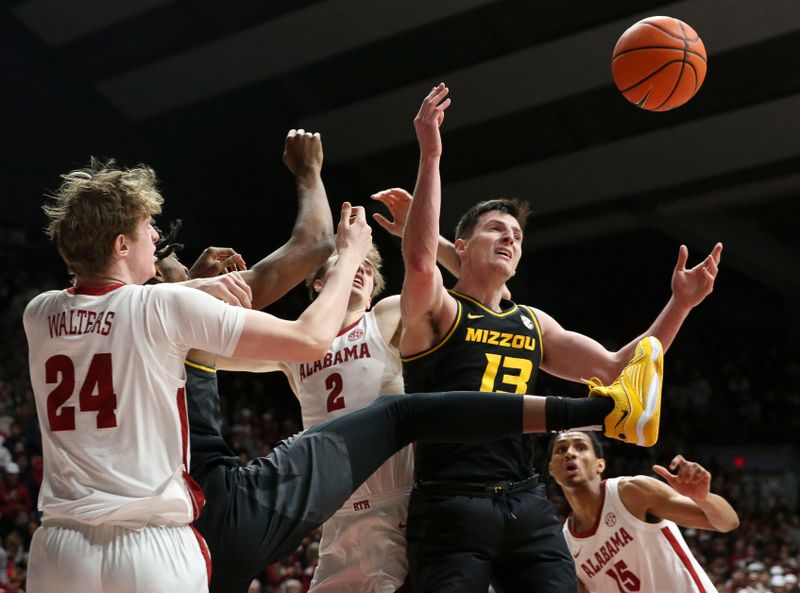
point(205, 92)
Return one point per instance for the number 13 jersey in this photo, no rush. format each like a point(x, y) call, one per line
point(483, 351)
point(622, 553)
point(358, 368)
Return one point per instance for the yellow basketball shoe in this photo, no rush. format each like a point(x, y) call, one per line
point(637, 396)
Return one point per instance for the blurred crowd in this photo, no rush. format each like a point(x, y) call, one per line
point(753, 395)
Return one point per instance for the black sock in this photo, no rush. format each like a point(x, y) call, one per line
point(566, 412)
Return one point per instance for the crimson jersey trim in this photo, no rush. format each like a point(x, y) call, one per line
point(684, 558)
point(96, 290)
point(593, 530)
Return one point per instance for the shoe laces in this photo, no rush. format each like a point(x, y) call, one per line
point(593, 383)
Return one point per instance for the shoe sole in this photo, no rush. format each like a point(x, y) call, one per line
point(651, 394)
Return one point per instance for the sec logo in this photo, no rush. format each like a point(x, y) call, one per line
point(611, 520)
point(526, 320)
point(355, 334)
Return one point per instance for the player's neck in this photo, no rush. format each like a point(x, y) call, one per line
point(488, 293)
point(355, 311)
point(103, 279)
point(586, 502)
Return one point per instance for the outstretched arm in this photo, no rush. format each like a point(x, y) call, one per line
point(689, 288)
point(265, 337)
point(686, 498)
point(312, 236)
point(573, 356)
point(426, 306)
point(311, 241)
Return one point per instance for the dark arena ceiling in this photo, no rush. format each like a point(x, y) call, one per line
point(205, 91)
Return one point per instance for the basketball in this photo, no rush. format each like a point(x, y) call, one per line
point(659, 63)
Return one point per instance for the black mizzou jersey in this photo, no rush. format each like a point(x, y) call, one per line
point(482, 351)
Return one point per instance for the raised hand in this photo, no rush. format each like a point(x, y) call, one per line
point(429, 119)
point(398, 201)
point(215, 261)
point(302, 153)
point(353, 235)
point(691, 286)
point(229, 288)
point(690, 478)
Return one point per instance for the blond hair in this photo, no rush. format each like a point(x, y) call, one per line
point(374, 260)
point(95, 205)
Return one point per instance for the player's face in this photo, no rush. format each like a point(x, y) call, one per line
point(496, 241)
point(363, 281)
point(574, 461)
point(141, 252)
point(170, 269)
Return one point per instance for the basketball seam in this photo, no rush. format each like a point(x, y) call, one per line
point(682, 49)
point(653, 73)
point(666, 32)
point(683, 67)
point(696, 78)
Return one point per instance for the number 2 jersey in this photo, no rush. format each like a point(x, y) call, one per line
point(482, 351)
point(106, 364)
point(622, 553)
point(358, 368)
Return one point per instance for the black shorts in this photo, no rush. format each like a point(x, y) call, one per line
point(462, 543)
point(259, 513)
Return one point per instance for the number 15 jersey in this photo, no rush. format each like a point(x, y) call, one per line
point(622, 553)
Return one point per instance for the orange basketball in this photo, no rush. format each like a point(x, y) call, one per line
point(659, 63)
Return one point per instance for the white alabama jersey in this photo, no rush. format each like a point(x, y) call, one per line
point(623, 554)
point(358, 368)
point(106, 366)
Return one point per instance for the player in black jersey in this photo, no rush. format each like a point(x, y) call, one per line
point(478, 512)
point(258, 513)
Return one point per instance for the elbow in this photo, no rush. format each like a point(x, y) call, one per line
point(730, 525)
point(322, 246)
point(418, 263)
point(317, 245)
point(314, 348)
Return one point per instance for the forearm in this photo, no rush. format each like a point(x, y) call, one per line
point(323, 319)
point(310, 244)
point(719, 513)
point(446, 256)
point(665, 328)
point(313, 228)
point(265, 337)
point(422, 226)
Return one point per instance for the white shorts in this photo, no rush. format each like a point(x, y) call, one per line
point(111, 559)
point(364, 552)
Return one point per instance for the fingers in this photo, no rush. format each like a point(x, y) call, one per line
point(234, 263)
point(676, 462)
point(301, 133)
point(710, 267)
point(302, 151)
point(664, 473)
point(358, 215)
point(235, 291)
point(685, 472)
point(683, 257)
point(435, 102)
point(383, 222)
point(393, 194)
point(347, 209)
point(716, 253)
